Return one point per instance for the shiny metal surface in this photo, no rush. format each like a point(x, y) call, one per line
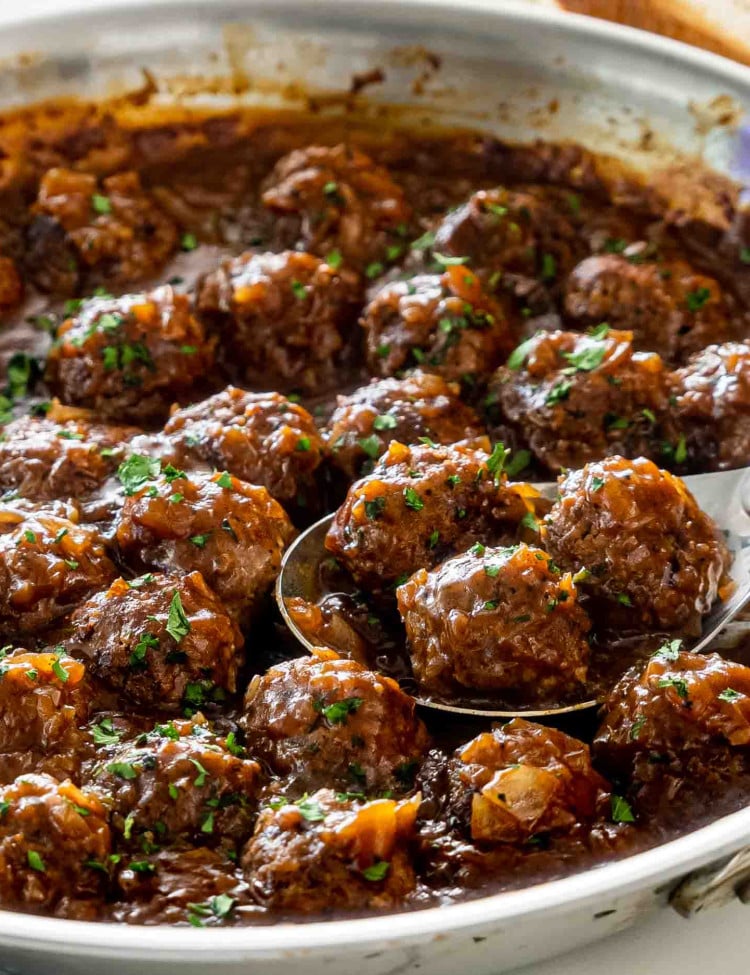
point(648, 101)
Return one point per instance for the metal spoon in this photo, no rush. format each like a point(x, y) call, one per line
point(725, 496)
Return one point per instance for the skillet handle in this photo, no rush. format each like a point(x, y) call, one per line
point(714, 886)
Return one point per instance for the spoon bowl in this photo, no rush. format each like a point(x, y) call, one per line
point(724, 496)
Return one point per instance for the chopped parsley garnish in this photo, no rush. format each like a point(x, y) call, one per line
point(172, 473)
point(597, 483)
point(334, 259)
point(374, 270)
point(374, 508)
point(105, 733)
point(412, 499)
point(669, 651)
point(69, 435)
point(518, 355)
point(378, 871)
point(445, 260)
point(433, 539)
point(678, 683)
point(695, 300)
point(518, 462)
point(310, 810)
point(426, 241)
point(188, 242)
point(200, 780)
point(384, 422)
point(549, 267)
point(71, 564)
point(135, 472)
point(559, 392)
point(146, 642)
point(35, 861)
point(178, 625)
point(371, 446)
point(530, 521)
point(232, 745)
point(123, 770)
point(200, 540)
point(621, 810)
point(496, 461)
point(491, 604)
point(587, 358)
point(745, 255)
point(635, 731)
point(303, 445)
point(623, 599)
point(339, 711)
point(224, 480)
point(101, 204)
point(680, 451)
point(299, 290)
point(30, 536)
point(729, 695)
point(492, 571)
point(60, 672)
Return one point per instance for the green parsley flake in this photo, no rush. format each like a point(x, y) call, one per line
point(200, 540)
point(101, 204)
point(339, 711)
point(299, 290)
point(146, 642)
point(35, 861)
point(178, 625)
point(695, 300)
point(371, 446)
point(729, 695)
point(135, 472)
point(303, 445)
point(621, 810)
point(384, 422)
point(334, 259)
point(310, 810)
point(378, 871)
point(188, 242)
point(412, 499)
point(224, 480)
point(123, 770)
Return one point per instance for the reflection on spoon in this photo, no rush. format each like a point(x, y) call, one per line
point(309, 579)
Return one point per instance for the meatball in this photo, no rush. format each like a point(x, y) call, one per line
point(285, 321)
point(650, 555)
point(328, 852)
point(48, 565)
point(156, 638)
point(197, 885)
point(445, 323)
point(523, 780)
point(44, 460)
point(525, 232)
point(116, 229)
point(232, 532)
point(419, 407)
point(52, 836)
point(337, 199)
point(420, 504)
point(668, 307)
point(43, 701)
point(676, 705)
point(262, 438)
point(496, 619)
point(323, 720)
point(180, 780)
point(712, 408)
point(576, 398)
point(130, 357)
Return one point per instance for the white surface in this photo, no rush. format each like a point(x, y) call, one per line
point(665, 945)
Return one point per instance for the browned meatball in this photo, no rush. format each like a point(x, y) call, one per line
point(445, 324)
point(286, 321)
point(156, 638)
point(677, 705)
point(650, 554)
point(575, 398)
point(323, 720)
point(130, 357)
point(231, 532)
point(496, 619)
point(43, 701)
point(419, 406)
point(524, 232)
point(668, 307)
point(50, 833)
point(44, 459)
point(115, 229)
point(197, 885)
point(337, 199)
point(328, 852)
point(420, 504)
point(180, 780)
point(712, 408)
point(524, 780)
point(48, 565)
point(262, 438)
